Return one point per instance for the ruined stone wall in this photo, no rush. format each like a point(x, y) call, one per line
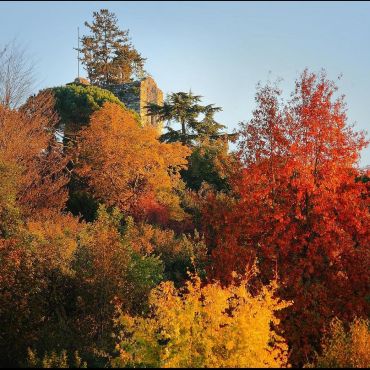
point(149, 93)
point(136, 95)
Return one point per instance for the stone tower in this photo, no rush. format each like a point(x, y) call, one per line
point(136, 95)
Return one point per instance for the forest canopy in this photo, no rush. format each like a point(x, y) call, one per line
point(131, 245)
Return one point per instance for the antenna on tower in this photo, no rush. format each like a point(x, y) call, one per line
point(78, 52)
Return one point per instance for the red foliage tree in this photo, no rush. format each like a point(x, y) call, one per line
point(299, 210)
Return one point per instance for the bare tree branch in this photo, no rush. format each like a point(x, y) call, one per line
point(16, 75)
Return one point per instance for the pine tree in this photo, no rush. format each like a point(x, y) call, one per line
point(185, 109)
point(108, 55)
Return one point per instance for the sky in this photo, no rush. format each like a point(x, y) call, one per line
point(219, 50)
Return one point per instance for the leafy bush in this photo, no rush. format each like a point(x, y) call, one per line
point(203, 326)
point(345, 348)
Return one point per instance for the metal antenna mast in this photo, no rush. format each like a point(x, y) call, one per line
point(78, 52)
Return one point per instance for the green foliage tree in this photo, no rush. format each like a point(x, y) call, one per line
point(108, 55)
point(75, 103)
point(209, 163)
point(196, 120)
point(199, 130)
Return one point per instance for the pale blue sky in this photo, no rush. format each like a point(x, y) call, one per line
point(218, 49)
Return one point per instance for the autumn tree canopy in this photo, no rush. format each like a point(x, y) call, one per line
point(299, 209)
point(125, 246)
point(31, 161)
point(127, 166)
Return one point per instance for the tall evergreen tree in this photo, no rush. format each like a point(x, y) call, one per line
point(107, 53)
point(185, 109)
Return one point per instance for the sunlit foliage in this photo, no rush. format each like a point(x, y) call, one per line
point(204, 326)
point(32, 163)
point(125, 165)
point(123, 247)
point(299, 209)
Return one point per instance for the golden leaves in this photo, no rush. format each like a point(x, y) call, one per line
point(205, 326)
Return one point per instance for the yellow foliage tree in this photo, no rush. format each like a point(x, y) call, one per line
point(204, 326)
point(126, 165)
point(53, 238)
point(343, 348)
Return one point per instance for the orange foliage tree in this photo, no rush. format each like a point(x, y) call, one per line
point(35, 276)
point(32, 163)
point(127, 166)
point(299, 209)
